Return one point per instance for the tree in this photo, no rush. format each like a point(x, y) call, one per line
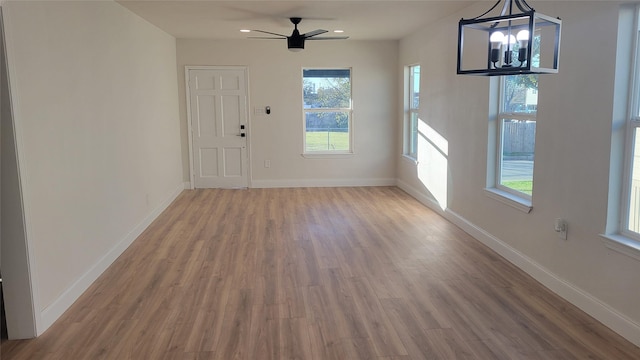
point(333, 93)
point(515, 86)
point(329, 93)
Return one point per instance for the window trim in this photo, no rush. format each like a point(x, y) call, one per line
point(509, 199)
point(622, 244)
point(349, 111)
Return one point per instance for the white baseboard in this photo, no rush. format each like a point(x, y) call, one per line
point(292, 183)
point(52, 312)
point(426, 200)
point(619, 323)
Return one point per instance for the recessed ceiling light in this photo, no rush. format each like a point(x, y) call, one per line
point(245, 30)
point(338, 31)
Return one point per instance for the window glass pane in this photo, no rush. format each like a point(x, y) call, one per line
point(413, 147)
point(520, 94)
point(414, 87)
point(634, 193)
point(328, 89)
point(327, 131)
point(413, 100)
point(517, 155)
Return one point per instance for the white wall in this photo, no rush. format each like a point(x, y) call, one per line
point(571, 176)
point(98, 137)
point(275, 79)
point(16, 287)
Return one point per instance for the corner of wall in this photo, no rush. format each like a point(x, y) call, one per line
point(52, 312)
point(23, 321)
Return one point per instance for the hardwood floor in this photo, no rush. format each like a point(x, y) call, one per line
point(320, 273)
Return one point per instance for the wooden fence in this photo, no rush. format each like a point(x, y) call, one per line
point(518, 140)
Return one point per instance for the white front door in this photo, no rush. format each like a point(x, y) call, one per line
point(218, 118)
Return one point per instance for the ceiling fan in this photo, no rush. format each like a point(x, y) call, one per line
point(295, 42)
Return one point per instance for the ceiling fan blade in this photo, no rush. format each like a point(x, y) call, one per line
point(329, 38)
point(314, 33)
point(266, 32)
point(264, 37)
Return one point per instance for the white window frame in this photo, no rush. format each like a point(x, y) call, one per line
point(348, 110)
point(411, 128)
point(515, 199)
point(502, 115)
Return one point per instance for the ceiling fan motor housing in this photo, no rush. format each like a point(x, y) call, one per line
point(295, 43)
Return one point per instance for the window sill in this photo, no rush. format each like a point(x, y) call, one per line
point(410, 159)
point(622, 244)
point(506, 198)
point(327, 155)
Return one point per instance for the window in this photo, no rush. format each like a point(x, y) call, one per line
point(516, 134)
point(631, 191)
point(411, 115)
point(622, 231)
point(327, 110)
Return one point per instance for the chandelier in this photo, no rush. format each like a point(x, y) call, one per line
point(516, 40)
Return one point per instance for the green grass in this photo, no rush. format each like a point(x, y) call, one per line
point(327, 141)
point(524, 186)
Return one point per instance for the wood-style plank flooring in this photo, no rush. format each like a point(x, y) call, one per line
point(315, 273)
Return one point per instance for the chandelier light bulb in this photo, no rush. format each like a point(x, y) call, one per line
point(510, 39)
point(507, 42)
point(496, 42)
point(523, 38)
point(496, 37)
point(523, 44)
